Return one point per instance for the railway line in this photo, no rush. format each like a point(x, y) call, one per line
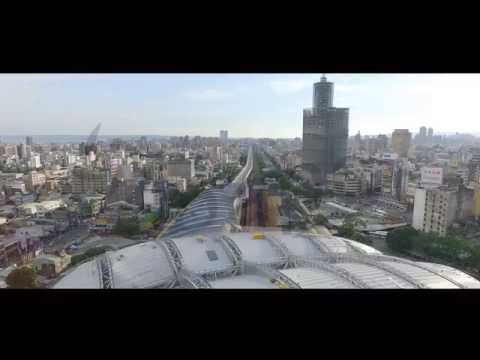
point(255, 207)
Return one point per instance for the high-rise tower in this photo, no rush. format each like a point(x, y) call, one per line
point(325, 134)
point(430, 132)
point(323, 94)
point(401, 140)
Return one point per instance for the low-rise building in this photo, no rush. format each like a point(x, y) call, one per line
point(24, 245)
point(41, 208)
point(91, 205)
point(85, 180)
point(155, 198)
point(345, 182)
point(290, 160)
point(105, 221)
point(50, 265)
point(179, 182)
point(184, 168)
point(34, 179)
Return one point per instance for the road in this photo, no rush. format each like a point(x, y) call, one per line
point(112, 241)
point(62, 241)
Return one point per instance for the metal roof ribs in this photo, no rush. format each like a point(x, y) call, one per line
point(255, 269)
point(173, 254)
point(354, 280)
point(105, 271)
point(190, 280)
point(377, 264)
point(408, 262)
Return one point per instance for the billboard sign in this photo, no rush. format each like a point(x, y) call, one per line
point(432, 175)
point(389, 156)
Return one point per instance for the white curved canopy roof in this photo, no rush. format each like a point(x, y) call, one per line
point(291, 259)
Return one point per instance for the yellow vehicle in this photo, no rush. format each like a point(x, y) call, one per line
point(258, 236)
point(280, 284)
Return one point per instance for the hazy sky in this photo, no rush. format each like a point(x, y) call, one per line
point(247, 105)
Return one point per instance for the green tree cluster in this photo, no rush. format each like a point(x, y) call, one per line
point(452, 249)
point(319, 219)
point(22, 278)
point(349, 229)
point(243, 159)
point(182, 199)
point(90, 253)
point(127, 227)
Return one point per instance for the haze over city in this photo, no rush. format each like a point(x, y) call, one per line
point(239, 181)
point(248, 105)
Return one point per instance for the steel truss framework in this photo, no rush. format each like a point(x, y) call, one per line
point(190, 280)
point(263, 270)
point(105, 273)
point(420, 266)
point(232, 248)
point(182, 273)
point(200, 214)
point(202, 230)
point(320, 246)
point(173, 254)
point(352, 279)
point(377, 264)
point(209, 206)
point(223, 273)
point(216, 198)
point(282, 250)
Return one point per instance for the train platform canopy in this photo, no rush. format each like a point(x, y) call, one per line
point(203, 255)
point(311, 278)
point(144, 265)
point(258, 250)
point(261, 259)
point(299, 245)
point(85, 276)
point(153, 270)
point(211, 210)
point(318, 245)
point(244, 282)
point(362, 248)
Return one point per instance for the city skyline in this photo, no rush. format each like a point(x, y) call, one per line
point(247, 105)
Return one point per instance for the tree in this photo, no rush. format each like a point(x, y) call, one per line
point(90, 253)
point(290, 173)
point(284, 183)
point(319, 219)
point(401, 239)
point(349, 228)
point(22, 278)
point(302, 225)
point(127, 227)
point(243, 159)
point(181, 200)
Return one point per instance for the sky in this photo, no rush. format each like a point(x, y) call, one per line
point(247, 105)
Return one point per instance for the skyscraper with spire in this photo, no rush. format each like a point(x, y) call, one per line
point(325, 134)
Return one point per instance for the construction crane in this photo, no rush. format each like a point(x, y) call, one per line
point(91, 144)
